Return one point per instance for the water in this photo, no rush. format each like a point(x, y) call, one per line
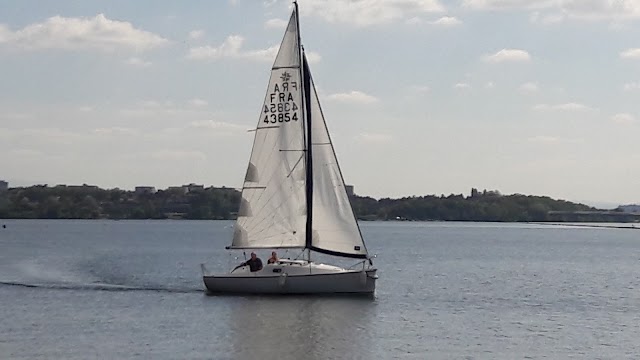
point(132, 289)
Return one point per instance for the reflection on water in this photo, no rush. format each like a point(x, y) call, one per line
point(303, 327)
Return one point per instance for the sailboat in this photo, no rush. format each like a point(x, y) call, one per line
point(294, 195)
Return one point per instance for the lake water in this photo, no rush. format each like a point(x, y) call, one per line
point(132, 289)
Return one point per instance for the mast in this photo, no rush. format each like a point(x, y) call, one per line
point(306, 114)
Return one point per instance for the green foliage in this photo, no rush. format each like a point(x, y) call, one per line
point(480, 206)
point(90, 202)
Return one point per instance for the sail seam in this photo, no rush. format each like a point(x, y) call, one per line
point(285, 67)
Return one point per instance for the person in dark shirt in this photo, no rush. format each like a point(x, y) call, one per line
point(255, 264)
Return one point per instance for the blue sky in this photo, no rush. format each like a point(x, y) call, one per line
point(421, 96)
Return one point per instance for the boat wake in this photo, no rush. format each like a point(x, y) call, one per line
point(102, 287)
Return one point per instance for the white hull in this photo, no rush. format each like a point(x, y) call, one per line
point(293, 277)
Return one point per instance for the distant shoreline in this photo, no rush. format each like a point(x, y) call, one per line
point(195, 202)
point(631, 226)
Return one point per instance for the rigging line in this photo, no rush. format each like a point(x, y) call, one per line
point(285, 67)
point(265, 137)
point(261, 203)
point(253, 244)
point(260, 159)
point(296, 164)
point(263, 128)
point(278, 234)
point(270, 137)
point(291, 184)
point(270, 216)
point(255, 139)
point(273, 213)
point(274, 235)
point(272, 176)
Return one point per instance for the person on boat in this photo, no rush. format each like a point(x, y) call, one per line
point(255, 264)
point(273, 259)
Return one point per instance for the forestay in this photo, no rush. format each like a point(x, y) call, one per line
point(273, 206)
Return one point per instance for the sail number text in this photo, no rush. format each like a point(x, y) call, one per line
point(281, 106)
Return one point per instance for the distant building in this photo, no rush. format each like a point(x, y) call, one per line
point(4, 185)
point(83, 186)
point(632, 209)
point(193, 187)
point(349, 190)
point(144, 190)
point(178, 189)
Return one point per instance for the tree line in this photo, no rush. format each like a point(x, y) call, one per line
point(90, 202)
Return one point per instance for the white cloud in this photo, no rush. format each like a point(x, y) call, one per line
point(136, 61)
point(548, 19)
point(369, 12)
point(198, 102)
point(115, 131)
point(178, 155)
point(232, 48)
point(447, 21)
point(576, 107)
point(196, 34)
point(374, 138)
point(508, 55)
point(529, 87)
point(462, 86)
point(420, 88)
point(355, 97)
point(313, 57)
point(596, 10)
point(275, 24)
point(623, 119)
point(85, 109)
point(551, 140)
point(54, 135)
point(154, 109)
point(507, 4)
point(219, 127)
point(559, 10)
point(16, 116)
point(97, 33)
point(544, 139)
point(28, 153)
point(631, 86)
point(489, 85)
point(630, 54)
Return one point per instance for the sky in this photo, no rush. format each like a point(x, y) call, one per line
point(537, 97)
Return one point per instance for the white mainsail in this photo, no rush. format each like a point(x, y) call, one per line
point(278, 185)
point(273, 206)
point(334, 225)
